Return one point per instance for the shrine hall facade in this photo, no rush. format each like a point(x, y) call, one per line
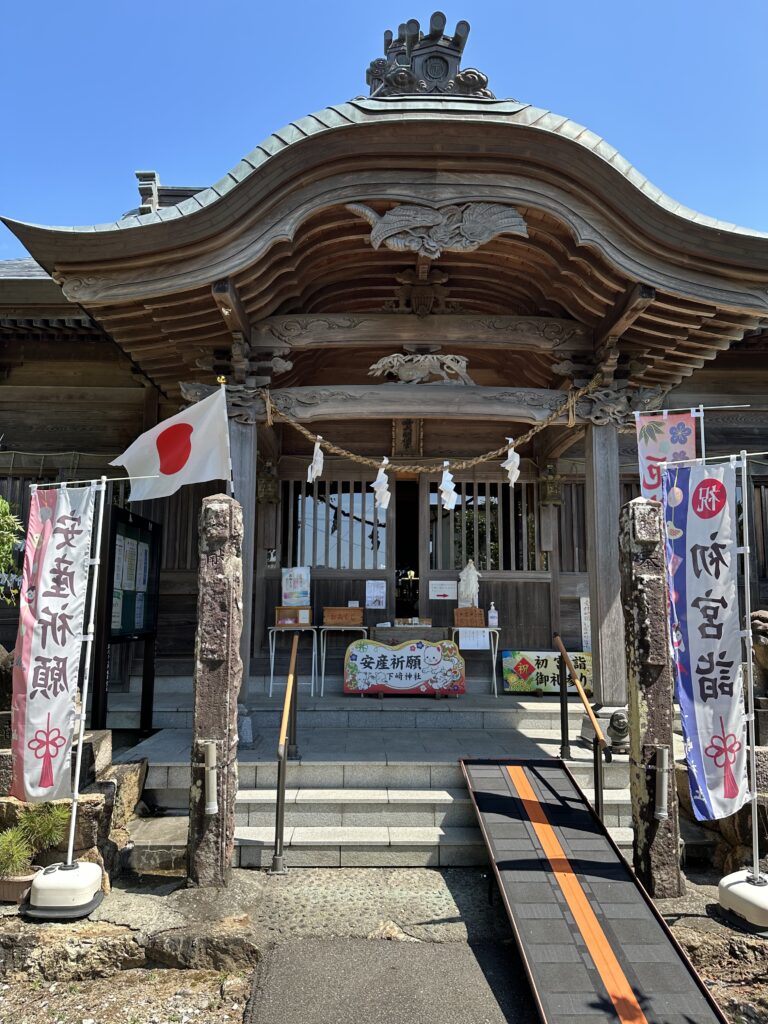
point(416, 274)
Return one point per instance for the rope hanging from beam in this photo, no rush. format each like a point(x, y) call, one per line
point(568, 409)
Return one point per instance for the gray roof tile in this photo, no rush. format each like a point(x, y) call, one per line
point(25, 268)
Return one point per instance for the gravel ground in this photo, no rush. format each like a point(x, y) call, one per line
point(158, 953)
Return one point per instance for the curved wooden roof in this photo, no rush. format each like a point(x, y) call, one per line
point(277, 226)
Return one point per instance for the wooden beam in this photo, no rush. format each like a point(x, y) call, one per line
point(231, 308)
point(377, 330)
point(407, 401)
point(627, 309)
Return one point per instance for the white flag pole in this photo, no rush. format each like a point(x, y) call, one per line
point(101, 487)
point(755, 878)
point(231, 482)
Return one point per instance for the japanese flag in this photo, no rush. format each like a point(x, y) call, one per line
point(186, 449)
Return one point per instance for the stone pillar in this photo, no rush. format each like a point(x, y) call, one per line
point(609, 666)
point(651, 683)
point(242, 439)
point(217, 678)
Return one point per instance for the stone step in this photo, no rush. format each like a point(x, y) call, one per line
point(357, 807)
point(168, 784)
point(174, 711)
point(160, 844)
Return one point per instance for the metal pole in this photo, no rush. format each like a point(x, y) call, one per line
point(598, 766)
point(293, 750)
point(703, 440)
point(95, 562)
point(756, 878)
point(565, 744)
point(278, 860)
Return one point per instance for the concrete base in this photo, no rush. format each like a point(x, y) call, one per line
point(746, 899)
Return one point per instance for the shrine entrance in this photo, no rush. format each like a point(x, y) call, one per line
point(408, 541)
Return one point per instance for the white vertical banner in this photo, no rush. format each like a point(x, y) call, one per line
point(702, 563)
point(46, 660)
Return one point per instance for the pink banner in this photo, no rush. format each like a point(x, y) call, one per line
point(662, 437)
point(46, 661)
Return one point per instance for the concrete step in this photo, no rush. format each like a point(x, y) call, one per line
point(160, 844)
point(168, 784)
point(423, 808)
point(174, 711)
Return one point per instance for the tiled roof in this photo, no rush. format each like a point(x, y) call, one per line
point(24, 268)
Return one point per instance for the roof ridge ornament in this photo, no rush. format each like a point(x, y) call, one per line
point(417, 63)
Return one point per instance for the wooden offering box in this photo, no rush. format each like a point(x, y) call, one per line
point(342, 616)
point(469, 618)
point(298, 616)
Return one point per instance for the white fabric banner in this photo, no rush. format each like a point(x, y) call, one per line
point(702, 562)
point(46, 660)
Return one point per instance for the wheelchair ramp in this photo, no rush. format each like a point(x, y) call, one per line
point(594, 946)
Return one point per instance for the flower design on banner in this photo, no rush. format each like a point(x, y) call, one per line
point(45, 745)
point(722, 749)
point(679, 433)
point(678, 456)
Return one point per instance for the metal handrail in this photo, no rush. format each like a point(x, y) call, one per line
point(600, 746)
point(286, 747)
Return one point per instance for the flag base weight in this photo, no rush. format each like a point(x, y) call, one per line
point(64, 892)
point(746, 899)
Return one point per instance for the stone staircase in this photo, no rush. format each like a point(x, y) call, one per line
point(378, 783)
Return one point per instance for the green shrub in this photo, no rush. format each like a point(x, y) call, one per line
point(43, 825)
point(15, 853)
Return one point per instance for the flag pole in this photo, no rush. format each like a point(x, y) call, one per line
point(101, 487)
point(231, 482)
point(755, 878)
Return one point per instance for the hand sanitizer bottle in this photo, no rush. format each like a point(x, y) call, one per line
point(493, 617)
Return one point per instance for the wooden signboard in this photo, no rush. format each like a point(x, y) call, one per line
point(539, 671)
point(414, 667)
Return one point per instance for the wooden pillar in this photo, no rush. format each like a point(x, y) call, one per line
point(609, 663)
point(242, 439)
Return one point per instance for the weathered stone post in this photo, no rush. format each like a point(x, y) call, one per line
point(217, 679)
point(649, 668)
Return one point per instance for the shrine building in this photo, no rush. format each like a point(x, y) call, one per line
point(418, 273)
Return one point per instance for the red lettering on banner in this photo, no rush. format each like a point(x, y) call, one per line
point(709, 498)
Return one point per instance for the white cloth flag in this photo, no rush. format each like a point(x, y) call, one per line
point(46, 660)
point(702, 564)
point(186, 449)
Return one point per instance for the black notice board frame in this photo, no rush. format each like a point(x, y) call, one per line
point(122, 522)
point(129, 528)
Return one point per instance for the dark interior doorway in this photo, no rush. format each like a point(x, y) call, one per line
point(407, 548)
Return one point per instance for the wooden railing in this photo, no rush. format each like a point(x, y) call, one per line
point(600, 746)
point(286, 747)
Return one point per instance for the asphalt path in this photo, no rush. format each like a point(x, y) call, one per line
point(359, 981)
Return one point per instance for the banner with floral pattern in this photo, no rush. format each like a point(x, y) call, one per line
point(662, 437)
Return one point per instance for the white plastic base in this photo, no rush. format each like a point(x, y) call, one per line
point(744, 898)
point(64, 891)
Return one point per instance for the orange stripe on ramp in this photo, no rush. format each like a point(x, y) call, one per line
point(608, 967)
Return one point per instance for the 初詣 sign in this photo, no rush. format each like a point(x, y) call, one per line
point(702, 567)
point(46, 659)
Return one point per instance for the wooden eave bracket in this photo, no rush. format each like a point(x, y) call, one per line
point(608, 334)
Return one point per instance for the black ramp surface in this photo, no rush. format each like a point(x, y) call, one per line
point(594, 947)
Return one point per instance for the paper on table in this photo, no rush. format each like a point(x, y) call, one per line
point(474, 639)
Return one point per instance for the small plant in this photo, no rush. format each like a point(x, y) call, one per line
point(15, 853)
point(44, 825)
point(10, 534)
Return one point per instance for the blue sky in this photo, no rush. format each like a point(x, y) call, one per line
point(93, 91)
